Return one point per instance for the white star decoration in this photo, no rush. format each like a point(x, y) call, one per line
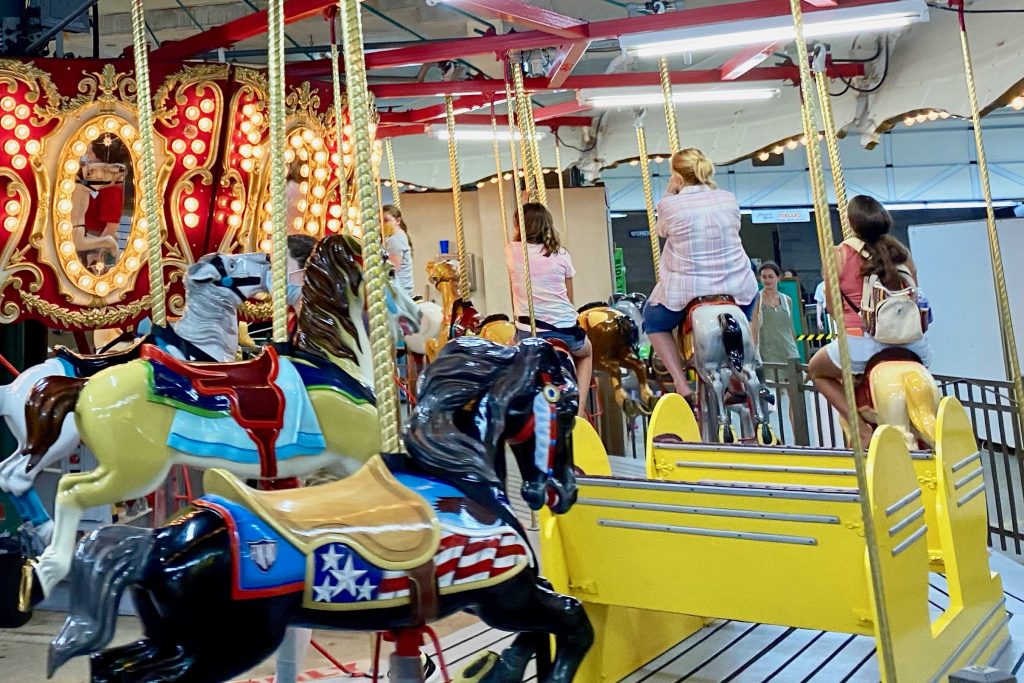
point(365, 590)
point(348, 576)
point(325, 591)
point(331, 558)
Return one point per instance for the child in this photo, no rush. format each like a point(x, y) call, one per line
point(551, 274)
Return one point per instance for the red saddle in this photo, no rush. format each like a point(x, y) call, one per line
point(256, 400)
point(710, 299)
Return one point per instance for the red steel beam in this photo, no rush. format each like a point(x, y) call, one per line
point(566, 59)
point(822, 3)
point(530, 16)
point(240, 29)
point(745, 60)
point(557, 111)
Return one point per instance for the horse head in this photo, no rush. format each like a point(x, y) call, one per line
point(228, 278)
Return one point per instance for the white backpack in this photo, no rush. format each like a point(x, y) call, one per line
point(891, 316)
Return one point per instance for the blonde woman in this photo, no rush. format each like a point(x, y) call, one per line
point(703, 255)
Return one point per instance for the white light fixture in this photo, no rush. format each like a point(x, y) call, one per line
point(476, 133)
point(638, 97)
point(875, 18)
point(970, 204)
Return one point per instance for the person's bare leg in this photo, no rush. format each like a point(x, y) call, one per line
point(584, 372)
point(828, 379)
point(664, 344)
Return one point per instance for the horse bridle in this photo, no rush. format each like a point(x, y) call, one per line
point(232, 283)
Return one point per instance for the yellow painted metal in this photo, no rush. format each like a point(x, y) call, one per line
point(147, 177)
point(672, 415)
point(1007, 335)
point(373, 248)
point(645, 177)
point(277, 142)
point(588, 452)
point(670, 107)
point(453, 166)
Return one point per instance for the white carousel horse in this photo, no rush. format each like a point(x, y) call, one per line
point(215, 286)
point(431, 317)
point(718, 342)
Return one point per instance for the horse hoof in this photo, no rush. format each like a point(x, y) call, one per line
point(726, 435)
point(766, 436)
point(479, 666)
point(11, 616)
point(30, 592)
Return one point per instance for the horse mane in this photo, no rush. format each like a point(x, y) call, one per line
point(333, 274)
point(468, 373)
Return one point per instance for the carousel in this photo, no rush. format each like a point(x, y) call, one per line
point(317, 447)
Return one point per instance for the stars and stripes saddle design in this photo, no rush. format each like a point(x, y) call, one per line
point(373, 540)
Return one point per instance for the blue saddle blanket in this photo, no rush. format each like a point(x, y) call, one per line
point(203, 426)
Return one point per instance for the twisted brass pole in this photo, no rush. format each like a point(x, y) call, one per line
point(561, 184)
point(832, 145)
point(453, 166)
point(670, 106)
point(396, 196)
point(527, 279)
point(338, 132)
point(150, 198)
point(498, 178)
point(645, 176)
point(825, 244)
point(278, 215)
point(1009, 339)
point(534, 184)
point(373, 249)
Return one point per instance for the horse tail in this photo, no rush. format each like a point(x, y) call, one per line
point(732, 340)
point(106, 562)
point(922, 404)
point(51, 400)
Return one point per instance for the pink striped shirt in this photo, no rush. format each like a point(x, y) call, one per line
point(703, 253)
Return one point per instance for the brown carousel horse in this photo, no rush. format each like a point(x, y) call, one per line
point(616, 341)
point(460, 317)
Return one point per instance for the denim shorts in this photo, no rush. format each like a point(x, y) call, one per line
point(572, 341)
point(658, 318)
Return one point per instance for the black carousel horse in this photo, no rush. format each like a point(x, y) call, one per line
point(389, 548)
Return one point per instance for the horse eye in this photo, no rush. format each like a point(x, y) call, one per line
point(551, 393)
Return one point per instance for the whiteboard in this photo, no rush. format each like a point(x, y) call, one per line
point(956, 274)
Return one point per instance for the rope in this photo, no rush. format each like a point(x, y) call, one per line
point(645, 176)
point(824, 227)
point(534, 184)
point(338, 136)
point(373, 249)
point(670, 107)
point(396, 196)
point(453, 166)
point(279, 233)
point(150, 197)
point(561, 185)
point(832, 145)
point(995, 253)
point(527, 279)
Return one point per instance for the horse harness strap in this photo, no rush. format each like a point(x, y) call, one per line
point(168, 336)
point(233, 283)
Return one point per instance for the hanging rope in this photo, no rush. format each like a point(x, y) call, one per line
point(150, 198)
point(561, 183)
point(824, 227)
point(279, 230)
point(645, 176)
point(534, 183)
point(670, 106)
point(831, 139)
point(1007, 336)
point(373, 250)
point(338, 122)
point(453, 165)
point(527, 279)
point(396, 196)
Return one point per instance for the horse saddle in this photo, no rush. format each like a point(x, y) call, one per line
point(88, 364)
point(862, 383)
point(370, 512)
point(708, 300)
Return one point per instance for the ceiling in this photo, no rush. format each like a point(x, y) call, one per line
point(924, 70)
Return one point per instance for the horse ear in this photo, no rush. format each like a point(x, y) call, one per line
point(202, 272)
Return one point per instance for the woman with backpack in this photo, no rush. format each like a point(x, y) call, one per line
point(878, 287)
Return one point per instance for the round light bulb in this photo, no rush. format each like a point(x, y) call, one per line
point(191, 204)
point(191, 220)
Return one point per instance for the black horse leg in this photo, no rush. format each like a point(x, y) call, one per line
point(524, 604)
point(143, 661)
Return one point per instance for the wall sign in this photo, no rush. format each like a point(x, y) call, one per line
point(640, 233)
point(780, 216)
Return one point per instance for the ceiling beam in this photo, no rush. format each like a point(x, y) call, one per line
point(747, 59)
point(396, 120)
point(822, 3)
point(566, 59)
point(523, 14)
point(557, 111)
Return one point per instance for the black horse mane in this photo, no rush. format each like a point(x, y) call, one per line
point(470, 373)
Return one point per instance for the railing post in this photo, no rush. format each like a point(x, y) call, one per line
point(797, 400)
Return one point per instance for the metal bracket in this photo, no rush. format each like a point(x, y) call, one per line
point(928, 479)
point(663, 467)
point(856, 527)
point(819, 59)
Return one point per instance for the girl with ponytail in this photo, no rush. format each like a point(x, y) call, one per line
point(703, 255)
point(551, 273)
point(873, 251)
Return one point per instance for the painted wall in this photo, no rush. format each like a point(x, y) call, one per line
point(430, 217)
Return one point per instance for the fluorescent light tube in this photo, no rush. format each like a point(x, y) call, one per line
point(651, 97)
point(842, 21)
point(477, 134)
point(969, 204)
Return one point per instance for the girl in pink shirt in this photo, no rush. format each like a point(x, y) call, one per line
point(551, 273)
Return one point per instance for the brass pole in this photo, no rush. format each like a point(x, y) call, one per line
point(670, 106)
point(645, 176)
point(453, 166)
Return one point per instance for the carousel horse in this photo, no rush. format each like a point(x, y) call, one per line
point(716, 339)
point(215, 286)
point(460, 317)
point(306, 411)
point(615, 338)
point(632, 305)
point(896, 389)
point(403, 542)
